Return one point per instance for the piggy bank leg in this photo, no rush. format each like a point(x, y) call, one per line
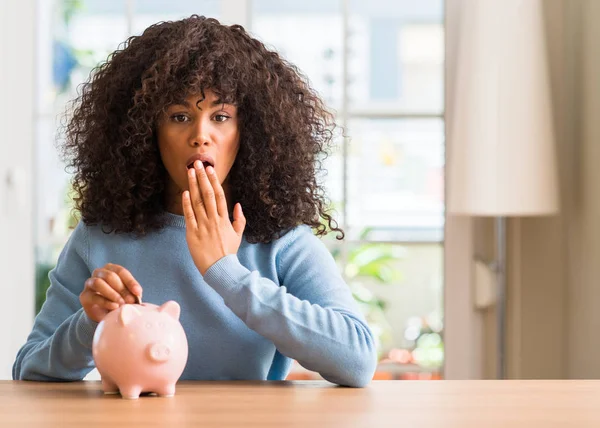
point(108, 386)
point(131, 392)
point(166, 391)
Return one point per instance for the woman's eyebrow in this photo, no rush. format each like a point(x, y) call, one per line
point(217, 102)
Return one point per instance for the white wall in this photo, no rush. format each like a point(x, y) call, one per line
point(17, 41)
point(554, 262)
point(556, 335)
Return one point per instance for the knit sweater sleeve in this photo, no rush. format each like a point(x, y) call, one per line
point(59, 345)
point(311, 317)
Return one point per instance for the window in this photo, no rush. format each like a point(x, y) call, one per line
point(379, 66)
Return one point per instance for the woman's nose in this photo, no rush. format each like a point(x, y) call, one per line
point(201, 134)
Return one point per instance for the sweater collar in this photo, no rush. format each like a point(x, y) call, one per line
point(174, 219)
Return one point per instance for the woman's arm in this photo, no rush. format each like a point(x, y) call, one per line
point(311, 318)
point(60, 345)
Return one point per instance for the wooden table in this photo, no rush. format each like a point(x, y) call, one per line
point(308, 404)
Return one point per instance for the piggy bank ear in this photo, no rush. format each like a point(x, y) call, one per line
point(128, 314)
point(172, 308)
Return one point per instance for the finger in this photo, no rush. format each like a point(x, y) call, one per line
point(127, 278)
point(97, 313)
point(196, 198)
point(103, 302)
point(99, 286)
point(239, 220)
point(221, 201)
point(90, 298)
point(114, 281)
point(206, 190)
point(188, 211)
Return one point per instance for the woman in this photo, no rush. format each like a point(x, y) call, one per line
point(195, 151)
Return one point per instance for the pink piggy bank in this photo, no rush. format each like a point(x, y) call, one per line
point(140, 348)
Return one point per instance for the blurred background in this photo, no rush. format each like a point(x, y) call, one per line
point(390, 70)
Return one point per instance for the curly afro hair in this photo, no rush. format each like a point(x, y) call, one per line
point(285, 130)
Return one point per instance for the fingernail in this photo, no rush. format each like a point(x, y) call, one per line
point(210, 169)
point(192, 172)
point(199, 164)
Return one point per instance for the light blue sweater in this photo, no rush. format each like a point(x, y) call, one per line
point(247, 318)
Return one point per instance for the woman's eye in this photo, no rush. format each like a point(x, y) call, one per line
point(179, 118)
point(221, 118)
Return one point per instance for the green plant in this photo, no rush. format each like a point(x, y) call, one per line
point(70, 8)
point(425, 333)
point(42, 282)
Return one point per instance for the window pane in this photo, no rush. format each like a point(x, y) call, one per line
point(150, 12)
point(309, 34)
point(396, 56)
point(93, 29)
point(395, 178)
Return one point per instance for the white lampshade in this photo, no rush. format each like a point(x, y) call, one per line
point(502, 155)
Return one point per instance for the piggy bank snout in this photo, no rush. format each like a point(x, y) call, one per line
point(159, 352)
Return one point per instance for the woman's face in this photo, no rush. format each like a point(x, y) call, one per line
point(201, 128)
